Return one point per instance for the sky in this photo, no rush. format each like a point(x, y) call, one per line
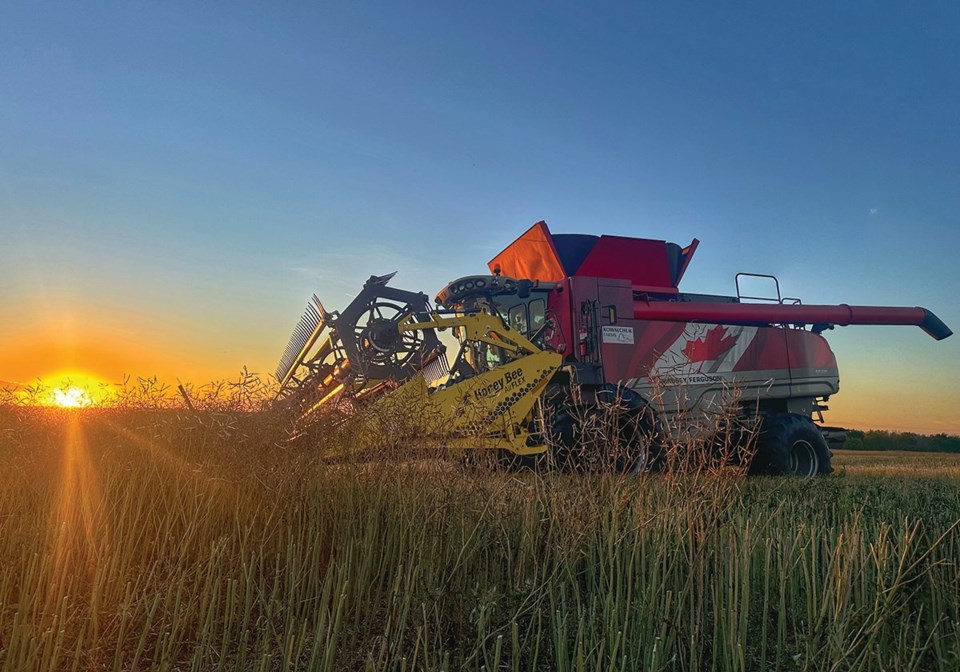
point(176, 179)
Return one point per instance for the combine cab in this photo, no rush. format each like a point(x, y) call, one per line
point(568, 324)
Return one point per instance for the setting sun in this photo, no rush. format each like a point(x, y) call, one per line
point(72, 397)
point(69, 389)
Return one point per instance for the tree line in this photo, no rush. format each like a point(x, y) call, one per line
point(883, 440)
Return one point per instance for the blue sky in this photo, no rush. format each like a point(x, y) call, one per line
point(183, 175)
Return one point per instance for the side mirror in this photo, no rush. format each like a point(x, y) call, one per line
point(523, 289)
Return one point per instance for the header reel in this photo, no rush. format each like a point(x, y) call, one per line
point(360, 348)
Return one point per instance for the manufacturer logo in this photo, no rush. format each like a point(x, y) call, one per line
point(509, 379)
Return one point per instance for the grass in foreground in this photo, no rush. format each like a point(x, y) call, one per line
point(146, 540)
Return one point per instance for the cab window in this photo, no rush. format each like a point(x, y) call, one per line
point(518, 318)
point(538, 314)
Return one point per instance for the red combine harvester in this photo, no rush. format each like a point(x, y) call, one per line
point(611, 308)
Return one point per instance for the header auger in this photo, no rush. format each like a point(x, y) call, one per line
point(565, 326)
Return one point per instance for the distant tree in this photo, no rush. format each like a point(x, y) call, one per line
point(853, 440)
point(883, 440)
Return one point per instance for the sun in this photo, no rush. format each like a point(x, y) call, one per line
point(71, 397)
point(69, 389)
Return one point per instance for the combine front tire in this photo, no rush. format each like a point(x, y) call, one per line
point(791, 444)
point(615, 433)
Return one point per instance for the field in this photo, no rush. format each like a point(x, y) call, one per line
point(898, 464)
point(163, 540)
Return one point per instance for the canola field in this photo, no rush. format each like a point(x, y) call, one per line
point(164, 540)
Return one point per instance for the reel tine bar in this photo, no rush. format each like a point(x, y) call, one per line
point(308, 327)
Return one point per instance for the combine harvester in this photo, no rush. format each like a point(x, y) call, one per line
point(567, 325)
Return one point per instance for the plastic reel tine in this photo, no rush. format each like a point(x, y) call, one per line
point(321, 311)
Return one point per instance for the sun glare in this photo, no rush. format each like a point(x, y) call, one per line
point(68, 389)
point(72, 397)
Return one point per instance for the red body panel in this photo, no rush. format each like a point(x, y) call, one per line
point(616, 257)
point(663, 347)
point(762, 362)
point(639, 352)
point(620, 318)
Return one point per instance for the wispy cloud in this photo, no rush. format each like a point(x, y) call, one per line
point(874, 211)
point(339, 275)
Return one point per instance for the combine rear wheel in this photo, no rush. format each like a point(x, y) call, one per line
point(791, 444)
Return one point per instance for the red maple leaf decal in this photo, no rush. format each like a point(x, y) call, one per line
point(706, 349)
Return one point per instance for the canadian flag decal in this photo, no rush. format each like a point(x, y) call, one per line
point(714, 344)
